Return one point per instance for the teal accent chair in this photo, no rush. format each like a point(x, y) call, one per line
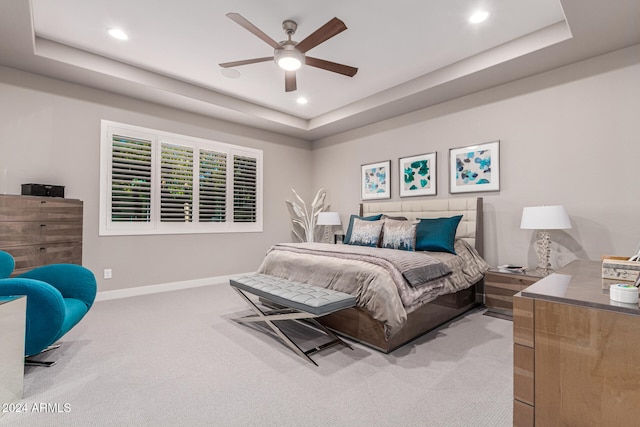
point(58, 297)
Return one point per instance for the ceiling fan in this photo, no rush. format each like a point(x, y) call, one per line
point(289, 54)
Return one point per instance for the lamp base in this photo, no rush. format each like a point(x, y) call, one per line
point(544, 252)
point(543, 272)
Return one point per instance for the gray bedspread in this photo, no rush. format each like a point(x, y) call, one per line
point(418, 268)
point(375, 276)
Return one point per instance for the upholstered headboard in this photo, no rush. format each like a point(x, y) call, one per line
point(469, 229)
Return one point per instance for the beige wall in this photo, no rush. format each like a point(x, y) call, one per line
point(50, 133)
point(570, 136)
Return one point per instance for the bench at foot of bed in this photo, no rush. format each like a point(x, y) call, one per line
point(300, 301)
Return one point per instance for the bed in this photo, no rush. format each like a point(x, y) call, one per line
point(398, 300)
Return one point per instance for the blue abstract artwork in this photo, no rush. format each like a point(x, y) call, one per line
point(473, 168)
point(418, 175)
point(375, 180)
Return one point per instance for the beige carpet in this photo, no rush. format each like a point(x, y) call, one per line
point(177, 358)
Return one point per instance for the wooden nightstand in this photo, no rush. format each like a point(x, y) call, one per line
point(500, 286)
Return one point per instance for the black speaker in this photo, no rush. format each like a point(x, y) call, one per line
point(42, 190)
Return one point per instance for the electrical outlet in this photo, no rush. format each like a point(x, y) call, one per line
point(107, 273)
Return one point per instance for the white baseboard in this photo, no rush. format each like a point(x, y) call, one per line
point(164, 287)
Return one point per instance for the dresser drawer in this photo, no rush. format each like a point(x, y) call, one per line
point(19, 233)
point(25, 257)
point(29, 257)
point(513, 282)
point(60, 253)
point(523, 321)
point(523, 414)
point(499, 289)
point(33, 233)
point(523, 374)
point(29, 208)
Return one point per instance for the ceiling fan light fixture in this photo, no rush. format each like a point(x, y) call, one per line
point(289, 64)
point(288, 58)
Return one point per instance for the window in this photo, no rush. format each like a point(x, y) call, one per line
point(155, 182)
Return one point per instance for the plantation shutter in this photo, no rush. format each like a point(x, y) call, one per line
point(176, 183)
point(213, 186)
point(244, 189)
point(130, 179)
point(155, 182)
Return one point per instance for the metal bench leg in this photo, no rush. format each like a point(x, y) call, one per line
point(265, 317)
point(330, 333)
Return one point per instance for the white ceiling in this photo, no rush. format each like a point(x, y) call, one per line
point(410, 54)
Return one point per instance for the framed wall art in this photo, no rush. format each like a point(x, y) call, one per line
point(418, 175)
point(375, 180)
point(475, 168)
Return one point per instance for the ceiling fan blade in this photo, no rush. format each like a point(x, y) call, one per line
point(322, 34)
point(240, 20)
point(290, 81)
point(245, 62)
point(331, 66)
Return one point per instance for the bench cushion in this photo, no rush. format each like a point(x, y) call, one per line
point(300, 296)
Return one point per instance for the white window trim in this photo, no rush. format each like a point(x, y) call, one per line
point(109, 228)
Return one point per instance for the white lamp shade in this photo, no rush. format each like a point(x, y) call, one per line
point(328, 218)
point(545, 218)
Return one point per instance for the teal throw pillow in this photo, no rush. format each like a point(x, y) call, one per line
point(347, 237)
point(437, 234)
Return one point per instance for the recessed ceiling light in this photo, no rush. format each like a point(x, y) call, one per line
point(117, 33)
point(302, 100)
point(230, 73)
point(478, 16)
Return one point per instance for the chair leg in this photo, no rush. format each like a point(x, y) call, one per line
point(43, 363)
point(51, 347)
point(28, 361)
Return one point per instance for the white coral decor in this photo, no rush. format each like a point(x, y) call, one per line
point(304, 220)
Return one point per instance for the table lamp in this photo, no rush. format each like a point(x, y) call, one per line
point(543, 218)
point(328, 219)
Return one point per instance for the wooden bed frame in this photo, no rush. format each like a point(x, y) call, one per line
point(357, 324)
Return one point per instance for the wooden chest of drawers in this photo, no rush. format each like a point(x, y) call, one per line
point(41, 230)
point(574, 352)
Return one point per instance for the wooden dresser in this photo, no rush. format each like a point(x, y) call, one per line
point(40, 230)
point(575, 352)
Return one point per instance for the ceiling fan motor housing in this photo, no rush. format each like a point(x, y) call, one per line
point(289, 27)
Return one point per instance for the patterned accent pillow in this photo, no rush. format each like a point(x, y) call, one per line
point(365, 233)
point(347, 236)
point(399, 235)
